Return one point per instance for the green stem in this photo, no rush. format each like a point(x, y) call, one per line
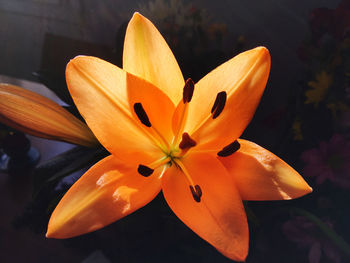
point(327, 231)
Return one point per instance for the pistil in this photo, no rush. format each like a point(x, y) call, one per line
point(186, 142)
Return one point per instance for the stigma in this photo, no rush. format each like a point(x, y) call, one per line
point(187, 142)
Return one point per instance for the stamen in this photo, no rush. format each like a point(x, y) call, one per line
point(198, 189)
point(141, 114)
point(196, 192)
point(147, 170)
point(188, 91)
point(229, 149)
point(144, 170)
point(187, 96)
point(187, 141)
point(195, 189)
point(219, 104)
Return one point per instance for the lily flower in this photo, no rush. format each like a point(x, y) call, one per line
point(37, 115)
point(168, 134)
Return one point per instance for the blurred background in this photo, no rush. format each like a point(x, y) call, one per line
point(304, 118)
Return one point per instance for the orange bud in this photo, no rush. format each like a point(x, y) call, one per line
point(37, 115)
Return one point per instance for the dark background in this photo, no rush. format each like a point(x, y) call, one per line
point(45, 34)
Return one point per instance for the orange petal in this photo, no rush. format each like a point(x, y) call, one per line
point(158, 107)
point(107, 192)
point(99, 90)
point(147, 55)
point(34, 114)
point(219, 218)
point(243, 78)
point(261, 175)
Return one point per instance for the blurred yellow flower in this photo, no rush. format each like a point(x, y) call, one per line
point(296, 129)
point(318, 88)
point(337, 107)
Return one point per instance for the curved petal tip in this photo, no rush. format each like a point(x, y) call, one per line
point(50, 233)
point(137, 15)
point(264, 52)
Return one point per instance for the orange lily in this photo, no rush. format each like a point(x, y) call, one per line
point(165, 133)
point(37, 115)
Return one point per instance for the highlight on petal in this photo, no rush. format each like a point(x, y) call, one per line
point(147, 55)
point(107, 192)
point(37, 115)
point(219, 217)
point(99, 90)
point(261, 175)
point(242, 81)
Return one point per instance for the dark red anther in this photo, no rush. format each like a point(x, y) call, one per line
point(144, 170)
point(141, 114)
point(219, 104)
point(187, 141)
point(229, 149)
point(196, 192)
point(188, 91)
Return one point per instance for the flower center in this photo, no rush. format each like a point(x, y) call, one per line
point(182, 141)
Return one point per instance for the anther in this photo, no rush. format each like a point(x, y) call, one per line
point(188, 91)
point(196, 192)
point(187, 141)
point(141, 114)
point(198, 189)
point(144, 170)
point(229, 149)
point(219, 104)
